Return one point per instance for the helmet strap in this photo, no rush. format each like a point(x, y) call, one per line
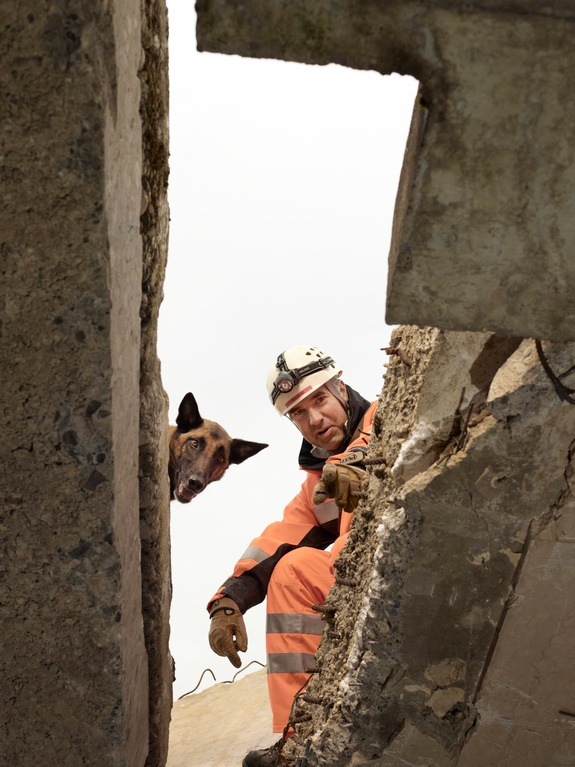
point(333, 386)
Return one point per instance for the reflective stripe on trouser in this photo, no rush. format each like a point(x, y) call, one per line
point(300, 579)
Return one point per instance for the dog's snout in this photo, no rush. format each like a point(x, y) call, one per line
point(195, 484)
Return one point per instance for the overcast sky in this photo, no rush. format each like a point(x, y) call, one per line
point(282, 187)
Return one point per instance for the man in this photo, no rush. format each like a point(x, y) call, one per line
point(288, 563)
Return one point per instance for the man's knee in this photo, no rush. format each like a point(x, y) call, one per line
point(300, 579)
point(301, 561)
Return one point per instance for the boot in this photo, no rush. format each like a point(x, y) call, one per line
point(264, 757)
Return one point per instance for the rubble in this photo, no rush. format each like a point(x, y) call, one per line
point(446, 561)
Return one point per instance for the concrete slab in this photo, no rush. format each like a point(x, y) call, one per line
point(486, 209)
point(527, 705)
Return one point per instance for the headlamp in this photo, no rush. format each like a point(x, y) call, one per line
point(285, 382)
point(287, 379)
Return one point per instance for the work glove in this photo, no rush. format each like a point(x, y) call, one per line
point(341, 482)
point(227, 630)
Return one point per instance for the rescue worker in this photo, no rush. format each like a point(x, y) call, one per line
point(288, 562)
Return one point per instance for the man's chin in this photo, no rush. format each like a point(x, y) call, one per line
point(331, 442)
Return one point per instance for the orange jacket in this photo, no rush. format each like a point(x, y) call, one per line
point(304, 524)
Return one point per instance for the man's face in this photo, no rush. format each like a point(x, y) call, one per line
point(321, 418)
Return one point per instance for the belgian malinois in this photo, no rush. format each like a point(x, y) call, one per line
point(201, 451)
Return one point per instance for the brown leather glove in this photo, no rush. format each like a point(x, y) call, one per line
point(341, 482)
point(227, 630)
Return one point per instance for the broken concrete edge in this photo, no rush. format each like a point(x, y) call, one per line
point(153, 439)
point(123, 174)
point(383, 641)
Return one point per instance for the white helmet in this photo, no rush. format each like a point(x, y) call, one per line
point(297, 373)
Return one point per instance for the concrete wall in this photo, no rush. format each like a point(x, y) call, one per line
point(77, 280)
point(485, 209)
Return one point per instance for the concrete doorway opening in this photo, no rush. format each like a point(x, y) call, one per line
point(283, 180)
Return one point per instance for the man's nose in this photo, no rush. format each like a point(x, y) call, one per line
point(314, 416)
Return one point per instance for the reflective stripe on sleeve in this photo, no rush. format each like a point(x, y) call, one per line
point(255, 553)
point(290, 663)
point(294, 623)
point(326, 512)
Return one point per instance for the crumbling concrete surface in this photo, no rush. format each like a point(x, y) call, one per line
point(451, 632)
point(485, 206)
point(153, 445)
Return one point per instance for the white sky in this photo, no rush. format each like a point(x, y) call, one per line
point(282, 187)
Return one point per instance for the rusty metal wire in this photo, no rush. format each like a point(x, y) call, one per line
point(225, 681)
point(563, 392)
point(301, 719)
point(377, 461)
point(400, 353)
point(327, 612)
point(199, 682)
point(312, 699)
point(290, 726)
point(461, 439)
point(303, 759)
point(345, 581)
point(241, 671)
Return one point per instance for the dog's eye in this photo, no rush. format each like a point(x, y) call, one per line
point(221, 459)
point(193, 443)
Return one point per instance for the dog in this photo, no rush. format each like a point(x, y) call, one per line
point(200, 451)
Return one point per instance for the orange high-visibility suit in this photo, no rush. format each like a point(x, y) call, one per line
point(289, 564)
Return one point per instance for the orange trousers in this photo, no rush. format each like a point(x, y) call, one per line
point(301, 578)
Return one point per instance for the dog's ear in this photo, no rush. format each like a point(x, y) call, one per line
point(240, 449)
point(188, 414)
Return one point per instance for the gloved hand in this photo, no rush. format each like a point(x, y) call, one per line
point(227, 630)
point(341, 482)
